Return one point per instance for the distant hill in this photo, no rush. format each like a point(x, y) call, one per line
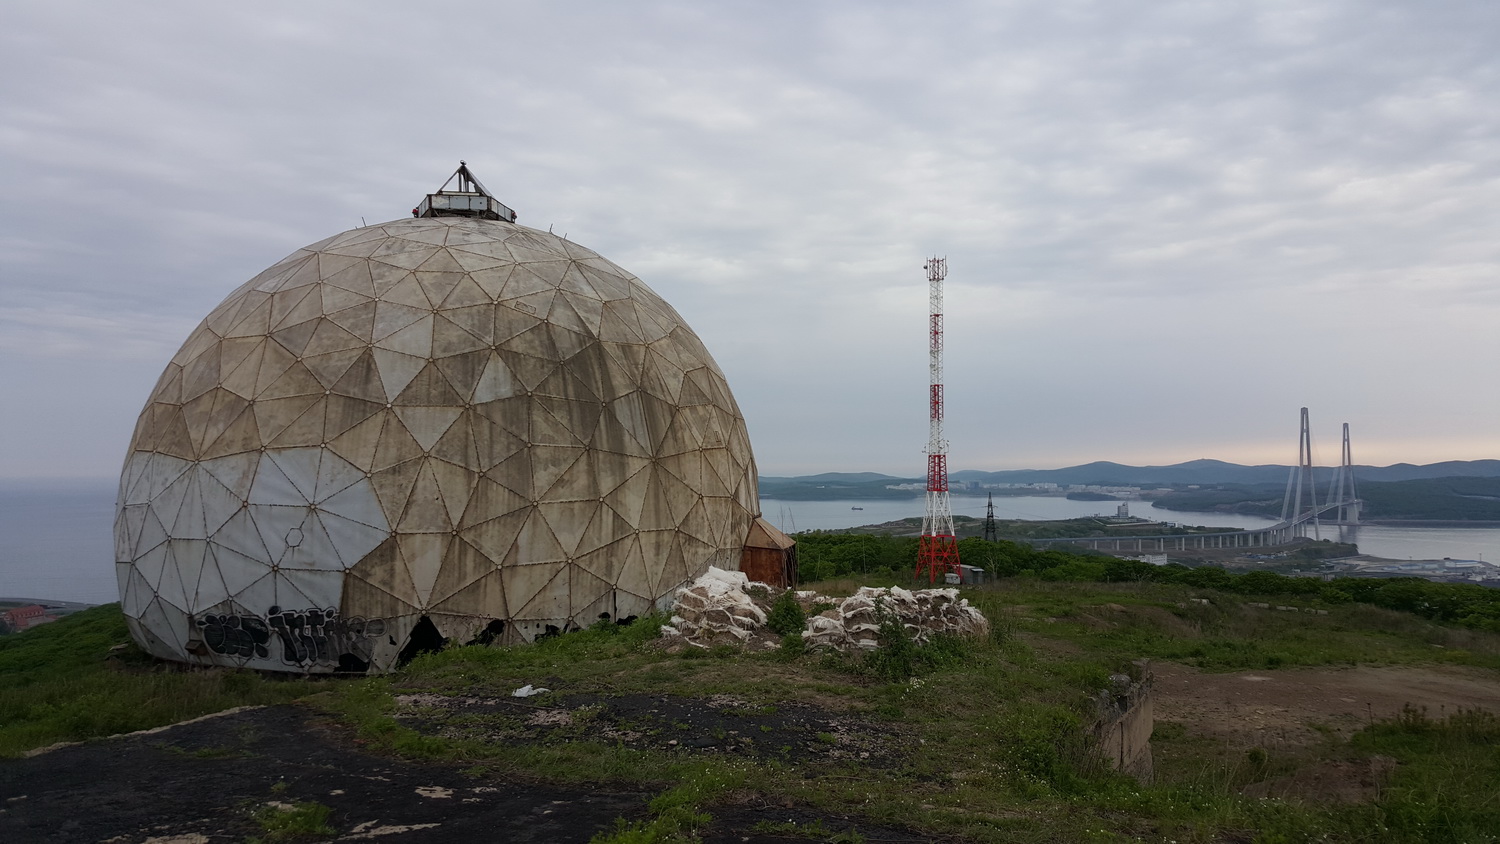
point(833, 485)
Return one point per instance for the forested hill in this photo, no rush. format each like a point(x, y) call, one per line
point(1425, 499)
point(840, 485)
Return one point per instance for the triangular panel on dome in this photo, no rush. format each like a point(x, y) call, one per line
point(357, 502)
point(295, 380)
point(656, 549)
point(323, 589)
point(240, 436)
point(455, 484)
point(457, 445)
point(590, 311)
point(450, 338)
point(402, 253)
point(661, 377)
point(396, 369)
point(273, 416)
point(299, 466)
point(391, 317)
point(384, 570)
point(127, 531)
point(438, 286)
point(278, 525)
point(514, 473)
point(409, 292)
point(344, 412)
point(548, 463)
point(428, 424)
point(329, 367)
point(549, 602)
point(633, 577)
point(588, 596)
point(240, 536)
point(608, 561)
point(567, 520)
point(365, 600)
point(629, 497)
point(429, 389)
point(353, 277)
point(492, 444)
point(210, 590)
point(151, 563)
point(336, 299)
point(472, 261)
point(217, 502)
point(314, 550)
point(618, 324)
point(358, 320)
point(201, 374)
point(493, 281)
point(172, 437)
point(424, 511)
point(240, 362)
point(604, 527)
point(536, 543)
point(328, 336)
point(463, 370)
point(257, 320)
point(358, 444)
point(608, 285)
point(576, 282)
point(577, 482)
point(477, 321)
point(462, 565)
point(386, 276)
point(351, 539)
point(496, 537)
point(162, 623)
point(488, 501)
point(483, 598)
point(135, 593)
point(168, 387)
point(189, 523)
point(675, 572)
point(423, 554)
point(656, 509)
point(179, 574)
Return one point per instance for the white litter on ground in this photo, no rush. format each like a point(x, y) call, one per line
point(528, 691)
point(726, 607)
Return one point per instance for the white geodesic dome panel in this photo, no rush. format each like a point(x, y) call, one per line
point(465, 420)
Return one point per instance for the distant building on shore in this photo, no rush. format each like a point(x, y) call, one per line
point(25, 618)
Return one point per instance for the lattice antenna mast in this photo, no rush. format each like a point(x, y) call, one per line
point(991, 534)
point(937, 550)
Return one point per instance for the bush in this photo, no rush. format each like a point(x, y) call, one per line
point(786, 616)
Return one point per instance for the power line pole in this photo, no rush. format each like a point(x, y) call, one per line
point(990, 534)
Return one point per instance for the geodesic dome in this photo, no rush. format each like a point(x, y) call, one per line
point(447, 426)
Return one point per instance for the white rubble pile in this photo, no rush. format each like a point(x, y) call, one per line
point(716, 609)
point(855, 621)
point(719, 608)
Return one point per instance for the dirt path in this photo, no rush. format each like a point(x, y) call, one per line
point(1265, 708)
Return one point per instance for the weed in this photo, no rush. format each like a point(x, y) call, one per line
point(786, 616)
point(291, 822)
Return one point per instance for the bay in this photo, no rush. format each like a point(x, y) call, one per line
point(56, 538)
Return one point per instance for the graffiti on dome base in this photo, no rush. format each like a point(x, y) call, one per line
point(308, 637)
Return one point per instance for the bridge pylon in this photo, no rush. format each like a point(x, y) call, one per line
point(1341, 492)
point(1300, 480)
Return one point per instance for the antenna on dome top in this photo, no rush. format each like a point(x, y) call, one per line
point(469, 200)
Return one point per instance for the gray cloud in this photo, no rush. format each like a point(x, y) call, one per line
point(1169, 225)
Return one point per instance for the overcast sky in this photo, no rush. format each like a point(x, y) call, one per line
point(1169, 225)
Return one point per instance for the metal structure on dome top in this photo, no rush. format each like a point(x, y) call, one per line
point(937, 549)
point(470, 200)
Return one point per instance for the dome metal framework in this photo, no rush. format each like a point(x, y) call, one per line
point(445, 426)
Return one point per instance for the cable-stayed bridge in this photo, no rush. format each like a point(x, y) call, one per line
point(1300, 508)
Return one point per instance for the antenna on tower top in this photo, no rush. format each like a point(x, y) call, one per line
point(469, 200)
point(937, 549)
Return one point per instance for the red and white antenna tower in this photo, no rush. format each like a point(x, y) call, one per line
point(937, 550)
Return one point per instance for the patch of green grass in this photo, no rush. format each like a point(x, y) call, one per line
point(298, 821)
point(80, 677)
